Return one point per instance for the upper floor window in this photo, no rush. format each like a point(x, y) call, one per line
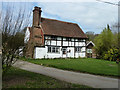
point(79, 39)
point(68, 39)
point(59, 38)
point(76, 39)
point(53, 38)
point(72, 39)
point(82, 40)
point(47, 37)
point(64, 39)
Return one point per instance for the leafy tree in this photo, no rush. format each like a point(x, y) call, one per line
point(104, 42)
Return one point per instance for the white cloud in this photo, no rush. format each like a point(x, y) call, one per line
point(88, 15)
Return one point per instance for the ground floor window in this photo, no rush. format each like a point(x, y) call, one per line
point(64, 50)
point(89, 50)
point(52, 49)
point(77, 49)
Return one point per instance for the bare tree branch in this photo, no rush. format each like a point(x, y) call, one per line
point(13, 22)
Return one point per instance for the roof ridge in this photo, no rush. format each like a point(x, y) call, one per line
point(59, 20)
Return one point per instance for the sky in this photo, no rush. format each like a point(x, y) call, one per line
point(90, 15)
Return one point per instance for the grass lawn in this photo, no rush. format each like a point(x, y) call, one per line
point(87, 65)
point(17, 78)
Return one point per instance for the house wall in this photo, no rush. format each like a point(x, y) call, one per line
point(93, 54)
point(39, 52)
point(33, 37)
point(42, 52)
point(27, 36)
point(28, 40)
point(71, 53)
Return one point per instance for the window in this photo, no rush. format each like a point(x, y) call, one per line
point(72, 39)
point(64, 39)
point(47, 37)
point(59, 38)
point(68, 39)
point(53, 49)
point(57, 49)
point(81, 40)
point(77, 49)
point(53, 37)
point(49, 49)
point(89, 50)
point(76, 39)
point(64, 50)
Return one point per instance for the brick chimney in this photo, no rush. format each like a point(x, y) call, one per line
point(36, 16)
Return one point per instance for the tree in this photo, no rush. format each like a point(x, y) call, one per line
point(90, 35)
point(104, 42)
point(113, 54)
point(116, 32)
point(12, 36)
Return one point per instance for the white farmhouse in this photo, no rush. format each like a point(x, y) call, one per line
point(49, 38)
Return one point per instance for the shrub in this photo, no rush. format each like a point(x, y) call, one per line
point(112, 54)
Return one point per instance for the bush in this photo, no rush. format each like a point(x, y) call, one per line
point(112, 54)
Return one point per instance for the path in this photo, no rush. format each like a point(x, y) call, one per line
point(94, 81)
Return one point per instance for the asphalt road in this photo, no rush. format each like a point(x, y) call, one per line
point(94, 81)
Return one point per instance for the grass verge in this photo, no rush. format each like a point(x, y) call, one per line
point(86, 65)
point(17, 78)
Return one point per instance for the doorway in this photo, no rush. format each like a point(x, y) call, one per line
point(64, 52)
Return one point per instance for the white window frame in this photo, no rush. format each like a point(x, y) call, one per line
point(89, 50)
point(53, 49)
point(78, 49)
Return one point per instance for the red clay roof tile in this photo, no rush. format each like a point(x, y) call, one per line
point(61, 28)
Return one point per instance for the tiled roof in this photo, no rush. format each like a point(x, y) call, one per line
point(60, 28)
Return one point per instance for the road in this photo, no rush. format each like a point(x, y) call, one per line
point(94, 81)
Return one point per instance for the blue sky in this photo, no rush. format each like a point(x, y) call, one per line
point(90, 16)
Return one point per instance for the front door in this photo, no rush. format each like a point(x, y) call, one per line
point(64, 52)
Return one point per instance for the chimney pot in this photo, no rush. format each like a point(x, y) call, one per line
point(36, 16)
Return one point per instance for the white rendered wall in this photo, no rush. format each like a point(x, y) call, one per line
point(81, 44)
point(40, 52)
point(77, 55)
point(27, 36)
point(65, 43)
point(76, 44)
point(58, 43)
point(53, 42)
